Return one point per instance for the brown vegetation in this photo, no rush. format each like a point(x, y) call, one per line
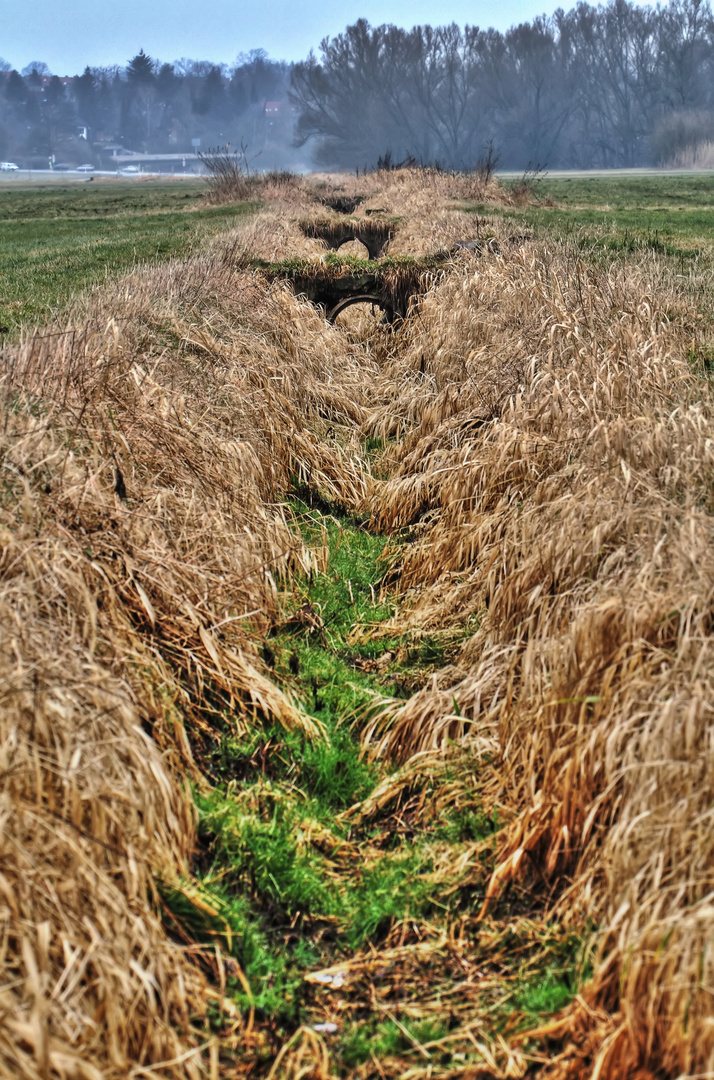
point(548, 447)
point(143, 538)
point(560, 449)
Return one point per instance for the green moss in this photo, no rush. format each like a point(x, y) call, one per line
point(267, 879)
point(564, 966)
point(464, 824)
point(547, 994)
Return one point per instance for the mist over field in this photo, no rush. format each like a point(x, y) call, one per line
point(610, 86)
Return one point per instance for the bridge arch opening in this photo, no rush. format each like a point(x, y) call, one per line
point(376, 305)
point(352, 245)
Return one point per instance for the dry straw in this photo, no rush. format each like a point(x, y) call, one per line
point(548, 449)
point(559, 459)
point(143, 542)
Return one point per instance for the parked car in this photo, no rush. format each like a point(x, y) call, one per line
point(62, 166)
point(129, 170)
point(8, 166)
point(84, 168)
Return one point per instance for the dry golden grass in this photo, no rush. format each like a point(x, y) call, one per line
point(417, 187)
point(560, 461)
point(548, 449)
point(143, 539)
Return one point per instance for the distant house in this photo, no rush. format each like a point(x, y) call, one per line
point(112, 150)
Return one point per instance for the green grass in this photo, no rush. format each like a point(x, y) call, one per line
point(276, 788)
point(290, 884)
point(57, 241)
point(387, 1039)
point(348, 592)
point(673, 215)
point(98, 198)
point(666, 192)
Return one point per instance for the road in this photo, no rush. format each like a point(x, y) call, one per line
point(52, 176)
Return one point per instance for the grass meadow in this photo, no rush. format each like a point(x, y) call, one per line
point(57, 240)
point(671, 214)
point(357, 678)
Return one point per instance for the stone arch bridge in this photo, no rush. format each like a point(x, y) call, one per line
point(334, 284)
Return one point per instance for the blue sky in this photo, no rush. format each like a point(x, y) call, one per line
point(68, 34)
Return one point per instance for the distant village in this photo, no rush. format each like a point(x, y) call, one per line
point(148, 116)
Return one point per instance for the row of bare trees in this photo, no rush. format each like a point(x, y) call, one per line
point(595, 86)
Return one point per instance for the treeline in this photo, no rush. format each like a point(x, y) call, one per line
point(147, 106)
point(605, 86)
point(596, 86)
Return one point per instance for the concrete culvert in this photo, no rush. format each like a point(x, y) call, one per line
point(374, 235)
point(343, 204)
point(390, 315)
